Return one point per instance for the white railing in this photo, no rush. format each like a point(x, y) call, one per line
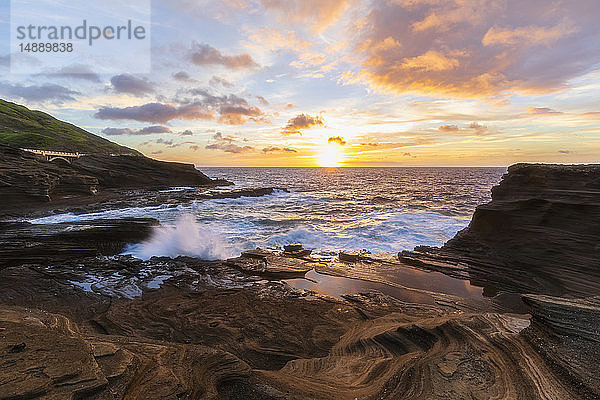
point(55, 153)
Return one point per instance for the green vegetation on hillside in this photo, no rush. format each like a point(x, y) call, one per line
point(25, 128)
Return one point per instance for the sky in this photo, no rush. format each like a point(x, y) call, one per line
point(340, 83)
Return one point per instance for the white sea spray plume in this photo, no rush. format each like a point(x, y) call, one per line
point(186, 238)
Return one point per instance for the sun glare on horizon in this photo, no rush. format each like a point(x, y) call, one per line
point(331, 156)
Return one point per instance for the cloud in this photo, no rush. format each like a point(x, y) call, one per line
point(474, 128)
point(76, 71)
point(126, 83)
point(473, 49)
point(118, 131)
point(38, 93)
point(216, 81)
point(318, 14)
point(164, 141)
point(236, 115)
point(564, 151)
point(301, 121)
point(431, 61)
point(154, 129)
point(229, 147)
point(337, 139)
point(532, 34)
point(262, 100)
point(187, 132)
point(182, 76)
point(157, 152)
point(226, 143)
point(144, 131)
point(477, 127)
point(230, 109)
point(155, 112)
point(542, 110)
point(214, 100)
point(449, 128)
point(220, 138)
point(204, 54)
point(274, 39)
point(194, 147)
point(279, 149)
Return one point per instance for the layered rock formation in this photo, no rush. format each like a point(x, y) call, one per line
point(104, 327)
point(26, 243)
point(539, 234)
point(211, 331)
point(26, 181)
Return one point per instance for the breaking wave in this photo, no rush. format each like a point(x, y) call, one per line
point(186, 238)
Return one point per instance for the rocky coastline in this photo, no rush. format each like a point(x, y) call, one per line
point(30, 183)
point(78, 320)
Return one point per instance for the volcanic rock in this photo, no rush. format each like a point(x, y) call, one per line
point(539, 234)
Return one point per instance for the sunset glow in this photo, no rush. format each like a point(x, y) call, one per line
point(330, 156)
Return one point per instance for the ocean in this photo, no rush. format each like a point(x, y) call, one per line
point(381, 210)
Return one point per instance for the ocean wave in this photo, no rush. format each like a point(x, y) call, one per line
point(383, 232)
point(223, 227)
point(186, 238)
point(109, 214)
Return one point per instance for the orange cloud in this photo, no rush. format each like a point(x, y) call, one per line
point(431, 61)
point(278, 39)
point(301, 121)
point(473, 48)
point(204, 54)
point(337, 139)
point(529, 34)
point(318, 14)
point(542, 110)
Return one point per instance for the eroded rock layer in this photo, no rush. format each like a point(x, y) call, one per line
point(97, 325)
point(26, 180)
point(125, 328)
point(539, 234)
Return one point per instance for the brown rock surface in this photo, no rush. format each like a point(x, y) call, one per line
point(22, 242)
point(103, 327)
point(27, 180)
point(211, 331)
point(539, 234)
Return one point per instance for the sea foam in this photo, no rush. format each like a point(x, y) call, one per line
point(186, 238)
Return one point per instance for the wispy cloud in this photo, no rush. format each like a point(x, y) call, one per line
point(279, 149)
point(38, 93)
point(229, 147)
point(143, 131)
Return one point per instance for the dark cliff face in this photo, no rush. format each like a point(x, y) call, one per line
point(539, 234)
point(27, 180)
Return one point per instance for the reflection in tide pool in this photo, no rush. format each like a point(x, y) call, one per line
point(336, 286)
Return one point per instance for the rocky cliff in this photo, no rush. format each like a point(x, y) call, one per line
point(105, 327)
point(539, 234)
point(28, 180)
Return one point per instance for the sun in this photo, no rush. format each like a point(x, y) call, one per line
point(331, 156)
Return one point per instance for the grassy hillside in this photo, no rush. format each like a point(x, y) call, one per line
point(25, 128)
